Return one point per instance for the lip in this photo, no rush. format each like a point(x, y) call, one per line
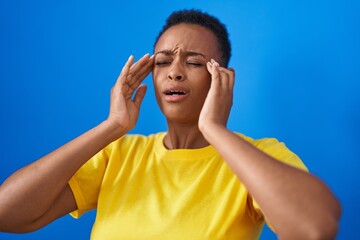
point(183, 93)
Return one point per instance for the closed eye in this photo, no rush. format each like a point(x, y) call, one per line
point(162, 63)
point(195, 64)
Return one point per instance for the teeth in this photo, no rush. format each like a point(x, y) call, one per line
point(171, 92)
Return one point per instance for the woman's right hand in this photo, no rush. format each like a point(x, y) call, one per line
point(39, 193)
point(124, 108)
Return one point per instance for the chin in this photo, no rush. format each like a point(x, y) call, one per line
point(179, 117)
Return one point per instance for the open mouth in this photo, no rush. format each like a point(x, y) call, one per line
point(174, 92)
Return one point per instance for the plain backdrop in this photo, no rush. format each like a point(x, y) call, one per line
point(297, 79)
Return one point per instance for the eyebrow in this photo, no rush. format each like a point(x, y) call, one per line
point(187, 53)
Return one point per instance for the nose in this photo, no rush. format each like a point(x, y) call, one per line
point(175, 72)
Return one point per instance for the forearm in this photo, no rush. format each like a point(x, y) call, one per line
point(294, 201)
point(31, 191)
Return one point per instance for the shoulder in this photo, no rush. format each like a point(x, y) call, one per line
point(264, 143)
point(276, 149)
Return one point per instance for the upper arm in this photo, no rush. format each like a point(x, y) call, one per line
point(64, 204)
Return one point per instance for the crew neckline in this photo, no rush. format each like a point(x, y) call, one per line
point(184, 153)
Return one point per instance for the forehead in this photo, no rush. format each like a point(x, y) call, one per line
point(189, 37)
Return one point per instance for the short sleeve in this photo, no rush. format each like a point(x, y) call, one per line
point(86, 183)
point(279, 151)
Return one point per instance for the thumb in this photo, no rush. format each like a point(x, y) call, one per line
point(140, 94)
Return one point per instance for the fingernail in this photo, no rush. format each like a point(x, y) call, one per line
point(215, 63)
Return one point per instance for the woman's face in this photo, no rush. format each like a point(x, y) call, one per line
point(180, 76)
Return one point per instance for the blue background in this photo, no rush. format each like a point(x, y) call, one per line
point(297, 79)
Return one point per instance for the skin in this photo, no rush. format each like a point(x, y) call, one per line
point(181, 62)
point(297, 204)
point(39, 193)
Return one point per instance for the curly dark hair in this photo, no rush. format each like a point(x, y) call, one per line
point(205, 20)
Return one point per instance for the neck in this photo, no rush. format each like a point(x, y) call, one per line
point(184, 136)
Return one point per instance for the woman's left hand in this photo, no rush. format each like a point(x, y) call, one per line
point(218, 102)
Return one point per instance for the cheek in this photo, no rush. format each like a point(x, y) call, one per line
point(206, 85)
point(157, 74)
point(203, 82)
point(156, 85)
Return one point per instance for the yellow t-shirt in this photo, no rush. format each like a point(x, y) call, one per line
point(141, 190)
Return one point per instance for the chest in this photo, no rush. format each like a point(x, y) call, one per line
point(172, 200)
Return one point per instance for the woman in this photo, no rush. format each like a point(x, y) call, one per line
point(196, 181)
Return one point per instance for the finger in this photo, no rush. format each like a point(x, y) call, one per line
point(223, 76)
point(147, 55)
point(124, 72)
point(140, 70)
point(136, 80)
point(209, 67)
point(231, 73)
point(224, 79)
point(215, 76)
point(139, 95)
point(146, 67)
point(232, 76)
point(227, 77)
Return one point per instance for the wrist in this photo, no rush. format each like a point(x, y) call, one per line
point(113, 129)
point(211, 130)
